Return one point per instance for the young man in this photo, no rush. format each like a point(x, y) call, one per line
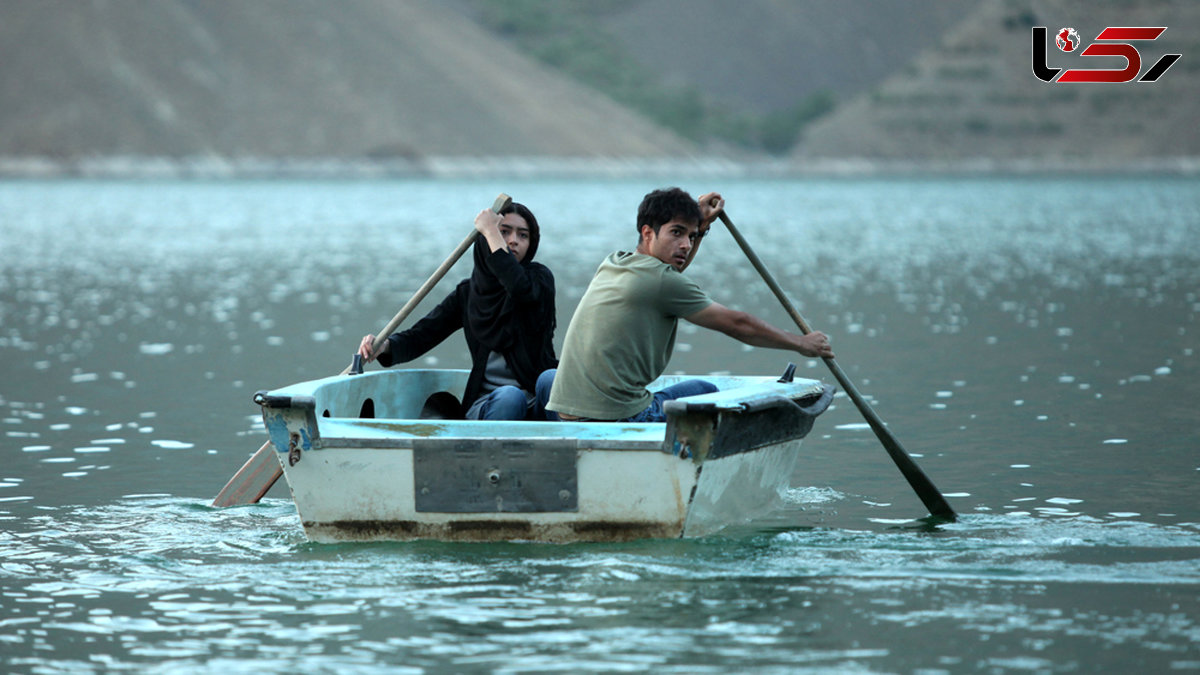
point(623, 331)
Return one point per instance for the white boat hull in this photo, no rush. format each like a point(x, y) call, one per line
point(720, 459)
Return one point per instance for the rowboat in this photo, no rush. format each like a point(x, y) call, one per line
point(374, 457)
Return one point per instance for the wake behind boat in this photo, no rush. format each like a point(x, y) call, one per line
point(370, 457)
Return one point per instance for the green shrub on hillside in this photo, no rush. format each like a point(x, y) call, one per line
point(564, 36)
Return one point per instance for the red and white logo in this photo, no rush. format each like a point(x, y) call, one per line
point(1067, 39)
point(1112, 41)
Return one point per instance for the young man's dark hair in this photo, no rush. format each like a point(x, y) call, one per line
point(662, 206)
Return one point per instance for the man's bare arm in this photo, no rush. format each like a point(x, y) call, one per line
point(754, 331)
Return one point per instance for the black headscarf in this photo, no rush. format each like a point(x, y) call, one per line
point(517, 323)
point(491, 313)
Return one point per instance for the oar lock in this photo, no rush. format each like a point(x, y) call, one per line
point(788, 375)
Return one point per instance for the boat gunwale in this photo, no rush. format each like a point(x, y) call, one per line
point(338, 432)
point(587, 435)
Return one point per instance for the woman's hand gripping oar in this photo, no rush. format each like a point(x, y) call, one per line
point(925, 489)
point(260, 472)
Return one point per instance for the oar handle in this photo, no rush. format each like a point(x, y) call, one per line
point(502, 202)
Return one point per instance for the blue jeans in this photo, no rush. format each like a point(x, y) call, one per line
point(655, 412)
point(511, 403)
point(686, 388)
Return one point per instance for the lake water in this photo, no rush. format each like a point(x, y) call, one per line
point(1031, 341)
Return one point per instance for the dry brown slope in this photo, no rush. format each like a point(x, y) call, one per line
point(289, 78)
point(975, 96)
point(767, 55)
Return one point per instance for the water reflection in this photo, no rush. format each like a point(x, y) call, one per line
point(1039, 362)
point(152, 576)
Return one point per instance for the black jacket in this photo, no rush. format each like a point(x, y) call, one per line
point(531, 284)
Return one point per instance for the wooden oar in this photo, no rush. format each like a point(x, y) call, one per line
point(261, 471)
point(925, 489)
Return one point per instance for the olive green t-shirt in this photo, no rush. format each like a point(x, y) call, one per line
point(621, 336)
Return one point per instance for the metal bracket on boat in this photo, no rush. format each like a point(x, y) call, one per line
point(464, 475)
point(293, 448)
point(690, 433)
point(291, 423)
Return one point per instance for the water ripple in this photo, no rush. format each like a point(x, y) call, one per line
point(1058, 412)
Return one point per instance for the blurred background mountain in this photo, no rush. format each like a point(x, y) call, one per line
point(410, 83)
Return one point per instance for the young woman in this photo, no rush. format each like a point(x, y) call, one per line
point(506, 311)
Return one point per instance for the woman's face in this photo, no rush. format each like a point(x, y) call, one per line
point(515, 231)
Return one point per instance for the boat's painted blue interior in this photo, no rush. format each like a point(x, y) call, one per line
point(396, 398)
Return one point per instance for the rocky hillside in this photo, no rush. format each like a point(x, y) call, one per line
point(974, 96)
point(290, 78)
point(412, 83)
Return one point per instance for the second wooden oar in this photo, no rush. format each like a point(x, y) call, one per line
point(260, 472)
point(925, 489)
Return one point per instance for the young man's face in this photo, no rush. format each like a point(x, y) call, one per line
point(515, 231)
point(672, 243)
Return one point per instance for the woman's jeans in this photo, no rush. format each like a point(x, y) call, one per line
point(512, 403)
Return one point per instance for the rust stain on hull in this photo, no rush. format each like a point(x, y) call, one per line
point(490, 530)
